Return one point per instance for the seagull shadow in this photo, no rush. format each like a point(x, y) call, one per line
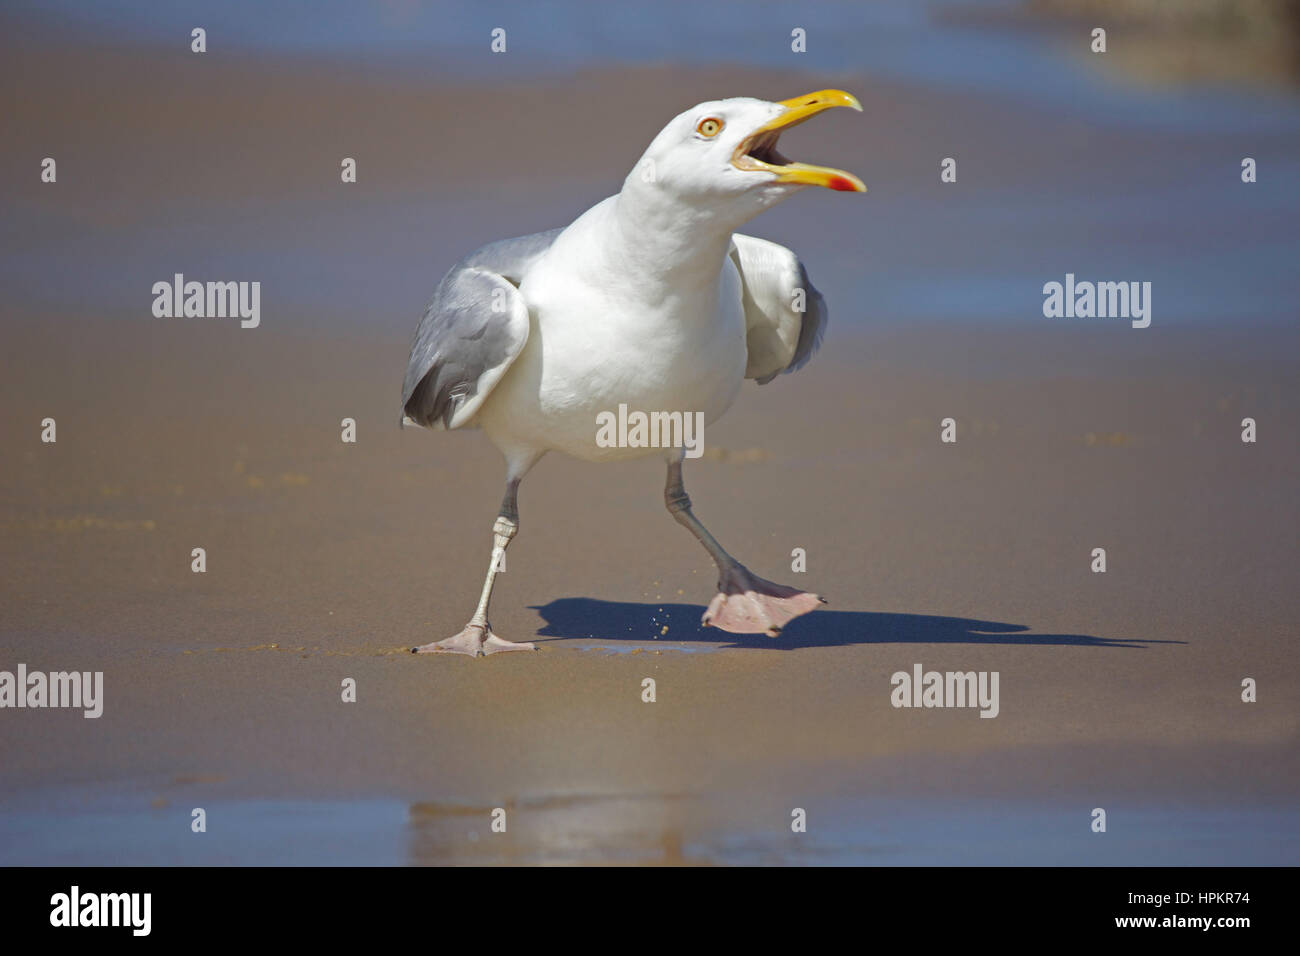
point(590, 619)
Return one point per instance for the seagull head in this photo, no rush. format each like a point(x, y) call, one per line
point(722, 155)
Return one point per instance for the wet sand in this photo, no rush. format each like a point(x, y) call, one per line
point(327, 561)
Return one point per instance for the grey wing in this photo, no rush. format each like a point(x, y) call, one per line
point(474, 328)
point(775, 286)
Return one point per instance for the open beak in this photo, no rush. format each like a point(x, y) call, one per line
point(758, 150)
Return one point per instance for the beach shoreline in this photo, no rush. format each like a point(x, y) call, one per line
point(327, 561)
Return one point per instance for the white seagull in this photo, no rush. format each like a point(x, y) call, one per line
point(650, 299)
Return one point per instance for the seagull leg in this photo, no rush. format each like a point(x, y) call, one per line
point(477, 637)
point(745, 603)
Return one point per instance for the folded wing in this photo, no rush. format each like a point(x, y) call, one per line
point(785, 316)
point(474, 328)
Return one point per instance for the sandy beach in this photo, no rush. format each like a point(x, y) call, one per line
point(328, 560)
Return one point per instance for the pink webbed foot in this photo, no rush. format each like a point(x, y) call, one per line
point(475, 640)
point(748, 604)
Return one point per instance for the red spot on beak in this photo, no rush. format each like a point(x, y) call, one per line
point(840, 184)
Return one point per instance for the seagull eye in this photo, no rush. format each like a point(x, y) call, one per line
point(709, 127)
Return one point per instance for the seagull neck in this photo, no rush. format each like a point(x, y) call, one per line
point(666, 239)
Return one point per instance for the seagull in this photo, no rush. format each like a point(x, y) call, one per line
point(650, 300)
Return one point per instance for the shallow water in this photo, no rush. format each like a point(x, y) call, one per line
point(981, 46)
point(1170, 210)
point(79, 828)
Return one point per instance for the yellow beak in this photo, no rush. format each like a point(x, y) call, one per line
point(797, 110)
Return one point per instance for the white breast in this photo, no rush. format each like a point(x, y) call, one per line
point(597, 344)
